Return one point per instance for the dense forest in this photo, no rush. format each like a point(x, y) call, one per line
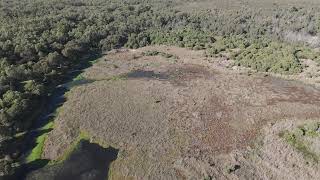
point(42, 40)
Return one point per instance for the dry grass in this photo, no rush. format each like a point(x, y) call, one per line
point(186, 125)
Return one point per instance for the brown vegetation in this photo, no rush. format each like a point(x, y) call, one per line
point(191, 118)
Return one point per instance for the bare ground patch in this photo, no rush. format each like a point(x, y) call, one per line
point(185, 118)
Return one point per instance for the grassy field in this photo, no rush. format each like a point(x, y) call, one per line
point(197, 106)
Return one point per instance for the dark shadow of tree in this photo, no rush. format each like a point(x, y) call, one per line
point(88, 161)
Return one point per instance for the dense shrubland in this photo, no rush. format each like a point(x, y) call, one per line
point(186, 37)
point(40, 41)
point(263, 54)
point(273, 57)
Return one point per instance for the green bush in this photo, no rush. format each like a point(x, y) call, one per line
point(189, 38)
point(275, 57)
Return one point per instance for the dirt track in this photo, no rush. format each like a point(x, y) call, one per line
point(187, 117)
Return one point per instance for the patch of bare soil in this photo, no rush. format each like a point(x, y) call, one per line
point(188, 117)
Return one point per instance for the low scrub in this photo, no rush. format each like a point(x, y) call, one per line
point(156, 53)
point(299, 139)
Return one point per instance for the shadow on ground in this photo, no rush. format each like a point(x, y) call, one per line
point(147, 74)
point(88, 161)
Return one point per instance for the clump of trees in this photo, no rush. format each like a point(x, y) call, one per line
point(183, 37)
point(263, 54)
point(274, 57)
point(225, 43)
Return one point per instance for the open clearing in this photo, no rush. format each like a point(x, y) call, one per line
point(187, 116)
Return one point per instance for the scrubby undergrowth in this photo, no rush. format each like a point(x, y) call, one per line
point(302, 138)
